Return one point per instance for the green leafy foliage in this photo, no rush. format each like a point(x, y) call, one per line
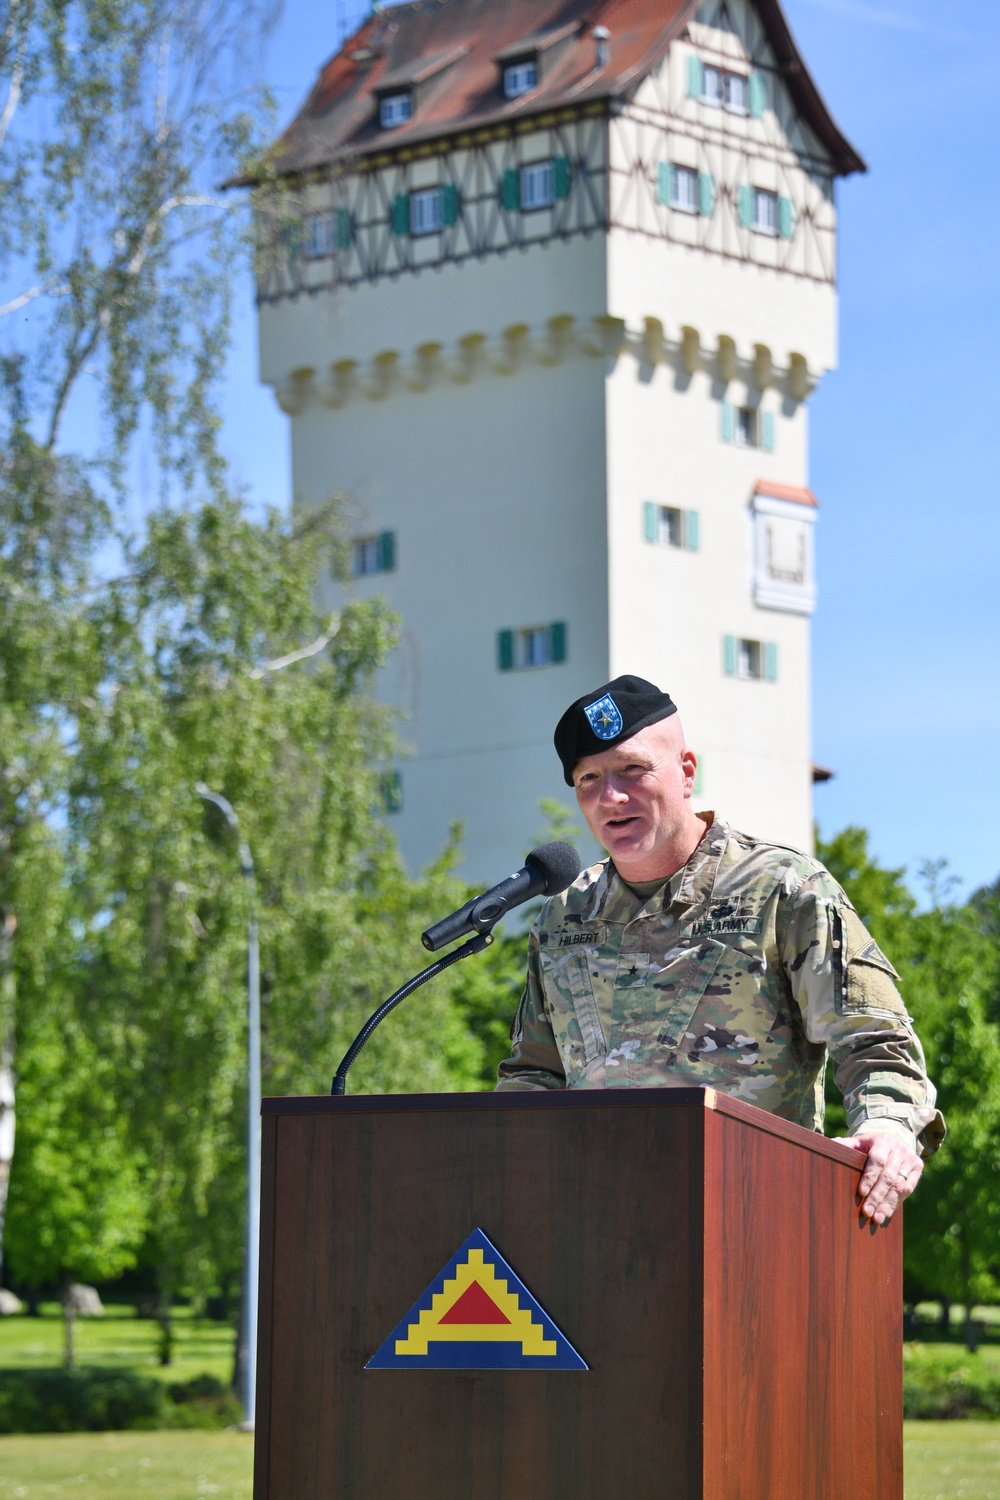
point(209, 675)
point(944, 1382)
point(948, 957)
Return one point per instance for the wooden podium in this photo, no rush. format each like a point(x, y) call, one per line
point(742, 1330)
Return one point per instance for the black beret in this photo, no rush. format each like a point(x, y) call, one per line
point(607, 716)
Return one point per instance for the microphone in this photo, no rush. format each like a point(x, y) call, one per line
point(546, 871)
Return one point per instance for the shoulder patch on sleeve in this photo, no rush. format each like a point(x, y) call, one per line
point(873, 955)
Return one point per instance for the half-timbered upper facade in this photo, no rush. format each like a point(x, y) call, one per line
point(544, 286)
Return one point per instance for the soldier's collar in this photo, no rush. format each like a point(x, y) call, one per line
point(698, 875)
point(694, 882)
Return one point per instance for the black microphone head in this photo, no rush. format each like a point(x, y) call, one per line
point(559, 864)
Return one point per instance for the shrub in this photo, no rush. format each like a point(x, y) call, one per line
point(97, 1400)
point(201, 1402)
point(77, 1400)
point(945, 1382)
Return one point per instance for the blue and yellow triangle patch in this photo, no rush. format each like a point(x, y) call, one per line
point(476, 1315)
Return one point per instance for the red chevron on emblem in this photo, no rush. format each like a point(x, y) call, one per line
point(475, 1306)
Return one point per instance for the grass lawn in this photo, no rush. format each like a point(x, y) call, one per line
point(117, 1340)
point(944, 1461)
point(127, 1466)
point(947, 1460)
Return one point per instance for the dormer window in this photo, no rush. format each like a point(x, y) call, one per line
point(395, 109)
point(520, 78)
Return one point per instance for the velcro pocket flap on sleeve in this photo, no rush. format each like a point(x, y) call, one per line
point(869, 977)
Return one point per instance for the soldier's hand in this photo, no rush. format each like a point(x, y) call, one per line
point(891, 1173)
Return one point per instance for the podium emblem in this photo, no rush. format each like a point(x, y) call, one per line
point(476, 1315)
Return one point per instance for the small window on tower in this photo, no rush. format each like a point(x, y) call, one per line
point(531, 646)
point(745, 427)
point(671, 527)
point(538, 185)
point(754, 661)
point(373, 554)
point(736, 93)
point(684, 189)
point(395, 109)
point(320, 236)
point(765, 211)
point(520, 78)
point(713, 88)
point(426, 211)
point(748, 659)
point(725, 90)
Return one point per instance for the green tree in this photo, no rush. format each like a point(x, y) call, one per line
point(117, 120)
point(947, 956)
point(218, 669)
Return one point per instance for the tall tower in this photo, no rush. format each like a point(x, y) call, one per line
point(545, 291)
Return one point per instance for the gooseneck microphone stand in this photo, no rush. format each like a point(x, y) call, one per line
point(475, 944)
point(547, 870)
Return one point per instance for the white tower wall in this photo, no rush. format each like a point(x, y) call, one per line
point(509, 402)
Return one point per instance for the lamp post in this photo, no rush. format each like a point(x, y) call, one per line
point(253, 1114)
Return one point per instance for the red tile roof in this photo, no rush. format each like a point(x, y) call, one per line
point(777, 491)
point(451, 48)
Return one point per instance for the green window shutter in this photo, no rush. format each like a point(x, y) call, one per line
point(401, 214)
point(293, 239)
point(728, 421)
point(510, 189)
point(650, 521)
point(505, 650)
point(557, 641)
point(745, 205)
point(770, 661)
point(343, 230)
point(562, 176)
point(767, 431)
point(729, 655)
point(663, 182)
point(387, 551)
point(691, 530)
point(706, 194)
point(696, 77)
point(758, 94)
point(786, 218)
point(449, 203)
point(392, 792)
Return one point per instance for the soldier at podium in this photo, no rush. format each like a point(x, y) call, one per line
point(696, 954)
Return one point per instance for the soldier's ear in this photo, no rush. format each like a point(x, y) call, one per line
point(689, 765)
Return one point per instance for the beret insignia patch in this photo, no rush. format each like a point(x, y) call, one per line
point(605, 719)
point(607, 715)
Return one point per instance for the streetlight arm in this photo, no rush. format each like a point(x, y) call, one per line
point(229, 813)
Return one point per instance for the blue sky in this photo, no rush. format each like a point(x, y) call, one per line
point(906, 707)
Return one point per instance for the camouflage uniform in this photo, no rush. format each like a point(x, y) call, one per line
point(743, 972)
